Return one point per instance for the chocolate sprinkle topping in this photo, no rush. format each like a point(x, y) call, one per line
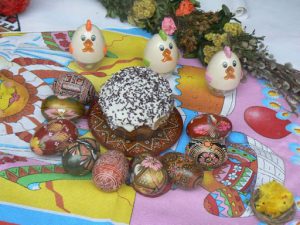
point(134, 97)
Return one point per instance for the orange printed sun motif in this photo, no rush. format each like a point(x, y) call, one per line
point(19, 97)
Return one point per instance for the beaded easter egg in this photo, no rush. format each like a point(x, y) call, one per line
point(110, 171)
point(207, 154)
point(182, 170)
point(75, 86)
point(53, 137)
point(209, 127)
point(148, 177)
point(79, 157)
point(54, 107)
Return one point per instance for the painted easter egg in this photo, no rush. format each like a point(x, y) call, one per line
point(182, 170)
point(264, 122)
point(209, 127)
point(223, 72)
point(88, 46)
point(75, 86)
point(53, 137)
point(79, 157)
point(148, 177)
point(207, 154)
point(110, 171)
point(54, 107)
point(161, 53)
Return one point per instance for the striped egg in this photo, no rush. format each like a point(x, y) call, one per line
point(110, 171)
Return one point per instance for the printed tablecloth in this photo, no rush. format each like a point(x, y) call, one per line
point(264, 145)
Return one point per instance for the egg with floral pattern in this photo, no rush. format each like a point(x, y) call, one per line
point(55, 107)
point(209, 127)
point(182, 170)
point(53, 137)
point(207, 154)
point(148, 176)
point(80, 156)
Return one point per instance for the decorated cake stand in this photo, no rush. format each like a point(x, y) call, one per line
point(163, 139)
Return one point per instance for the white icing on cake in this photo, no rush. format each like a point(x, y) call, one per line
point(134, 97)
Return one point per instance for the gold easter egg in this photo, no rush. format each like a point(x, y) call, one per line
point(54, 107)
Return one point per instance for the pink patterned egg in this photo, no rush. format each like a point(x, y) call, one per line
point(110, 171)
point(53, 137)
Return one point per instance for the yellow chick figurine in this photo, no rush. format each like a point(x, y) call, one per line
point(274, 199)
point(88, 46)
point(161, 53)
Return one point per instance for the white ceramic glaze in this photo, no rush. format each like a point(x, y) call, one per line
point(88, 46)
point(161, 54)
point(224, 71)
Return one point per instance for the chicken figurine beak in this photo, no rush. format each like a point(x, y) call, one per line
point(88, 46)
point(229, 73)
point(167, 55)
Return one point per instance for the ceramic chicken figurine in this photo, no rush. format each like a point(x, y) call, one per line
point(88, 46)
point(161, 53)
point(223, 72)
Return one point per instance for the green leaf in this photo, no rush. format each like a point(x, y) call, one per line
point(226, 10)
point(163, 35)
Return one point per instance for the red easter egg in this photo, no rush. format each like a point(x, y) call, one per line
point(53, 137)
point(209, 127)
point(110, 171)
point(264, 122)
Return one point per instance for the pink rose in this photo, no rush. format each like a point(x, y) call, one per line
point(168, 25)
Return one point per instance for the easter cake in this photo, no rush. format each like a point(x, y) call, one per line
point(136, 101)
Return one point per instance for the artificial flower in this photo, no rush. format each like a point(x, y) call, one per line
point(209, 51)
point(217, 39)
point(185, 8)
point(168, 26)
point(235, 29)
point(143, 9)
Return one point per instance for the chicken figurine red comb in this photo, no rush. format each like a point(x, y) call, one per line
point(88, 46)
